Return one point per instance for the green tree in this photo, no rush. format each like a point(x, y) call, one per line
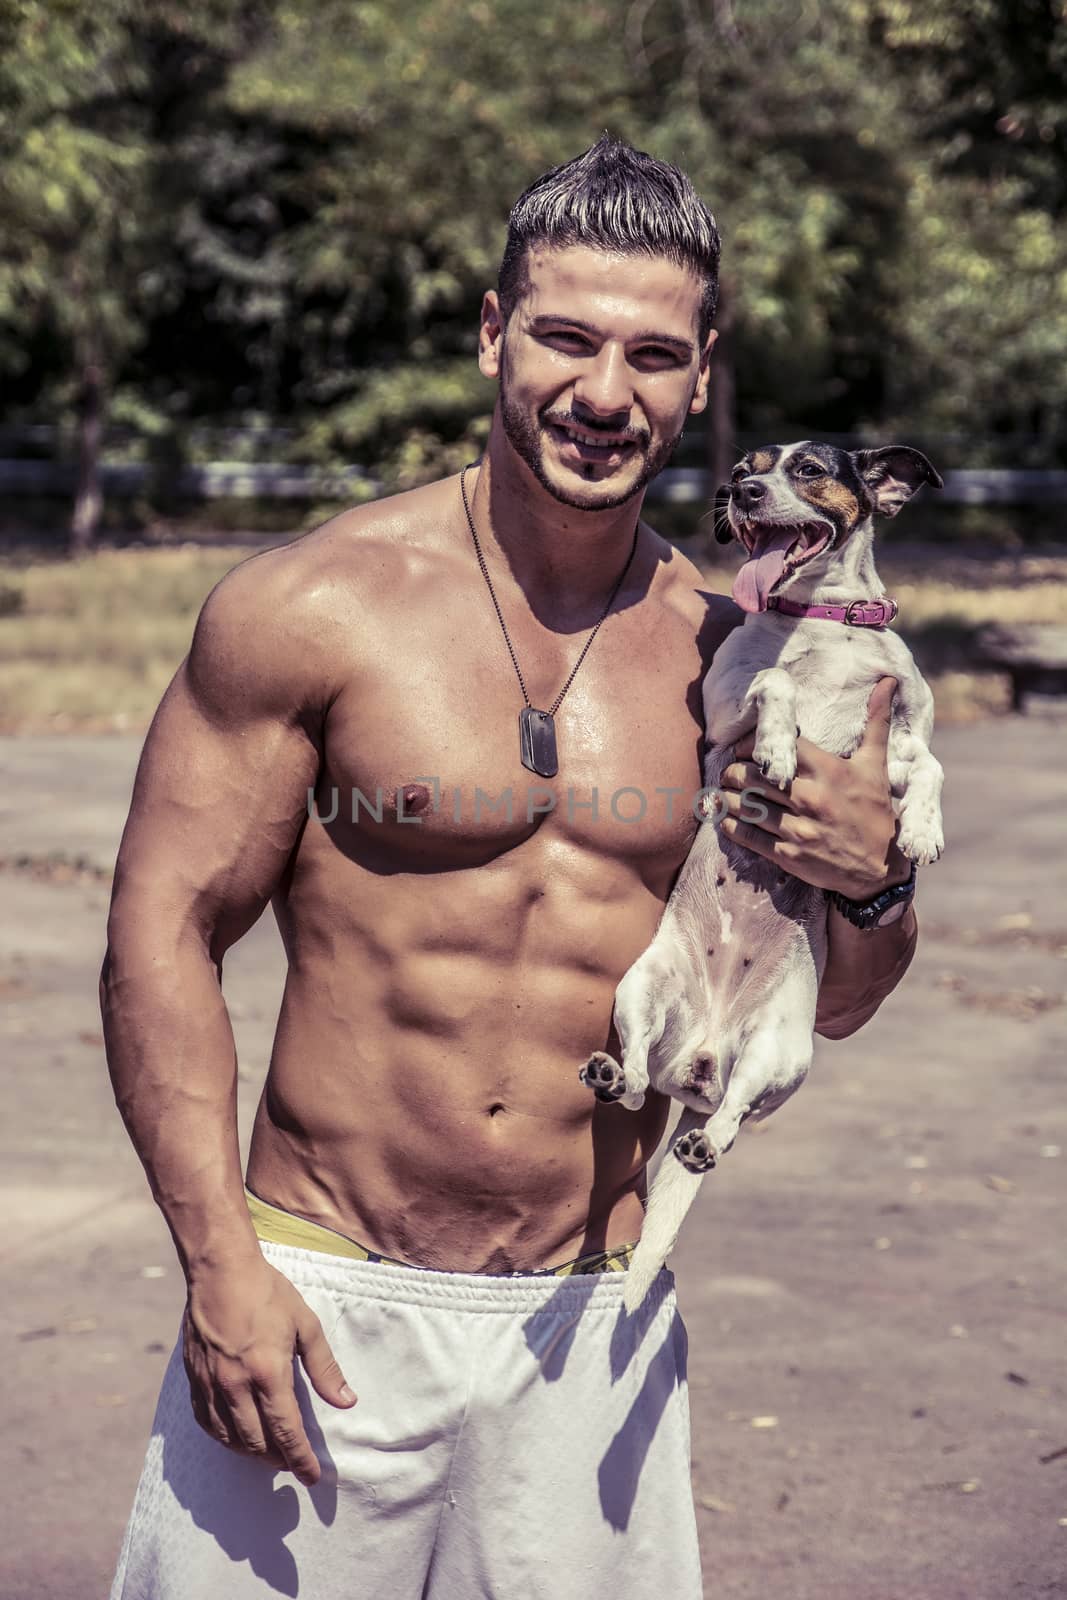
point(86, 99)
point(72, 170)
point(979, 342)
point(286, 210)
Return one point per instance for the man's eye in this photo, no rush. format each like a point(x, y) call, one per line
point(658, 355)
point(573, 341)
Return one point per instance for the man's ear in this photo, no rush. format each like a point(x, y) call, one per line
point(893, 474)
point(700, 393)
point(490, 335)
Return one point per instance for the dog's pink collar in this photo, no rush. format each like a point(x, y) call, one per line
point(857, 613)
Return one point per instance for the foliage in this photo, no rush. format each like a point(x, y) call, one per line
point(289, 210)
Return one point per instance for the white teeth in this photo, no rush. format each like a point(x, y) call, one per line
point(588, 438)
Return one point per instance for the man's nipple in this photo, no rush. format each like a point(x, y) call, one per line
point(412, 800)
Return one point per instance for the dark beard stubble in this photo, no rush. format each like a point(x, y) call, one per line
point(526, 439)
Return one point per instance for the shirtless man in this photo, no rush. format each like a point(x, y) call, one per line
point(452, 961)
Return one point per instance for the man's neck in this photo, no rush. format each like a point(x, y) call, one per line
point(565, 560)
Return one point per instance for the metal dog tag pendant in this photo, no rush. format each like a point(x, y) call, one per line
point(537, 742)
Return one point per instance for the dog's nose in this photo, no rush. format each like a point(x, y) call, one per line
point(749, 492)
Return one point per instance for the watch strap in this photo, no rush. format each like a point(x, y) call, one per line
point(866, 913)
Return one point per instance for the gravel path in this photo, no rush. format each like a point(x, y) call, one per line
point(873, 1283)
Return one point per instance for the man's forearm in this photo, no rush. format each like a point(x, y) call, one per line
point(172, 1061)
point(862, 969)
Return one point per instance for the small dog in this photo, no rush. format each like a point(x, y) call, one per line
point(719, 1011)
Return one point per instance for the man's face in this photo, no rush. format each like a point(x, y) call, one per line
point(599, 366)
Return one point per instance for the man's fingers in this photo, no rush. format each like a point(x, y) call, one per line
point(233, 1422)
point(326, 1376)
point(879, 717)
point(757, 809)
point(245, 1424)
point(743, 777)
point(759, 841)
point(208, 1417)
point(284, 1430)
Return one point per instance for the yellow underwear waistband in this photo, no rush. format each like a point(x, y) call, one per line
point(282, 1227)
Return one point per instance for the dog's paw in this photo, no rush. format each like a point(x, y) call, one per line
point(776, 759)
point(608, 1081)
point(921, 841)
point(694, 1151)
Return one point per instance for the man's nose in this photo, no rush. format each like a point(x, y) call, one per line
point(605, 386)
point(749, 492)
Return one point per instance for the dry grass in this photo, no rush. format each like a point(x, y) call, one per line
point(944, 603)
point(91, 646)
point(945, 597)
point(94, 643)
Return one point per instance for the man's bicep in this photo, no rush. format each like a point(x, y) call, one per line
point(221, 791)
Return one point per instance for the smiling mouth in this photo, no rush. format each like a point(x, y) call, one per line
point(593, 446)
point(777, 551)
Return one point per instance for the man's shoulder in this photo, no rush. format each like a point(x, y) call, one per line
point(688, 591)
point(336, 567)
point(290, 619)
point(405, 523)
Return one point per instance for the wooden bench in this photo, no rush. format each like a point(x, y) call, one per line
point(1034, 654)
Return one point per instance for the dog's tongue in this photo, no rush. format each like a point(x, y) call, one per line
point(761, 572)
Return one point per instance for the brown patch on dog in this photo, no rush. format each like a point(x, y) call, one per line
point(763, 460)
point(833, 496)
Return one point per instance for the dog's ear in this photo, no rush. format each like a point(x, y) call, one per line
point(893, 474)
point(723, 531)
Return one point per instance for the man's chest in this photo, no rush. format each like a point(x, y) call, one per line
point(423, 752)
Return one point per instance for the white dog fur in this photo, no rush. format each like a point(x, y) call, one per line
point(719, 1011)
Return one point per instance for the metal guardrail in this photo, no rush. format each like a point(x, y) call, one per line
point(1020, 487)
point(241, 480)
point(217, 480)
point(973, 486)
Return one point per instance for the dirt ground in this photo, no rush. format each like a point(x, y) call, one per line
point(873, 1283)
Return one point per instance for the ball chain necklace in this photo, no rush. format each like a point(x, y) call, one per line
point(537, 729)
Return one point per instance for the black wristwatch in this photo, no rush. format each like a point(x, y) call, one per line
point(882, 909)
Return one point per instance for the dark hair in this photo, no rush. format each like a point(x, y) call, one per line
point(617, 198)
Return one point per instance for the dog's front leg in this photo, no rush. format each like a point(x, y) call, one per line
point(915, 775)
point(767, 701)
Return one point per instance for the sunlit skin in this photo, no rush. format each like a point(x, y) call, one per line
point(602, 361)
point(447, 976)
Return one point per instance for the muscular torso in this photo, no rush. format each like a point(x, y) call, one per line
point(451, 967)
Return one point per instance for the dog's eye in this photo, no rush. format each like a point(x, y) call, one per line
point(811, 469)
point(737, 474)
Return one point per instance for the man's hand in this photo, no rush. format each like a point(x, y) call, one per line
point(242, 1329)
point(833, 826)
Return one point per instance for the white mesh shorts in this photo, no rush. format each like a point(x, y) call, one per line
point(515, 1439)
